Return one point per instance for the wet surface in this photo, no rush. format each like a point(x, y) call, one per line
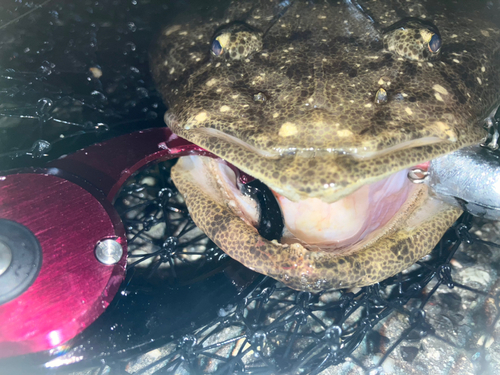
point(74, 73)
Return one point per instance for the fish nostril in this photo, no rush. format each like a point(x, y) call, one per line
point(260, 97)
point(381, 96)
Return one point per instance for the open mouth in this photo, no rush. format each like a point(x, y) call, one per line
point(337, 227)
point(371, 234)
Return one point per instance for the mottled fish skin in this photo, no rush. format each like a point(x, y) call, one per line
point(319, 71)
point(328, 96)
point(301, 269)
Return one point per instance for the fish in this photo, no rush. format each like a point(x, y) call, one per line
point(329, 105)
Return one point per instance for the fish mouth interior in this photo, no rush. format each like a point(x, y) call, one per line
point(339, 227)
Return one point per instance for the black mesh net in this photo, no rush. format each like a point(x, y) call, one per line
point(273, 329)
point(73, 73)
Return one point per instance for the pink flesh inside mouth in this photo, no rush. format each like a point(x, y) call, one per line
point(357, 218)
point(349, 220)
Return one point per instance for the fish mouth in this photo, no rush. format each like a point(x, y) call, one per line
point(369, 235)
point(301, 173)
point(338, 227)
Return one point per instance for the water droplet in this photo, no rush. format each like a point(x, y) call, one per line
point(142, 92)
point(129, 47)
point(39, 148)
point(98, 95)
point(44, 105)
point(132, 27)
point(101, 127)
point(46, 68)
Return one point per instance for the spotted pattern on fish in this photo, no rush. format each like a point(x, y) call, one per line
point(324, 97)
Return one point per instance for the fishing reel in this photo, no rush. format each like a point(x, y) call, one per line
point(63, 246)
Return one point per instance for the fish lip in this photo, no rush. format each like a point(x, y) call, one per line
point(305, 270)
point(343, 247)
point(334, 169)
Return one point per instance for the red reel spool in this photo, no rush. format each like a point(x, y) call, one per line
point(72, 288)
point(63, 214)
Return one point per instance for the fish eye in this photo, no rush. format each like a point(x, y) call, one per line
point(216, 49)
point(413, 39)
point(435, 43)
point(236, 41)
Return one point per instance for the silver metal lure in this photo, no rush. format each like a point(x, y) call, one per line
point(469, 178)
